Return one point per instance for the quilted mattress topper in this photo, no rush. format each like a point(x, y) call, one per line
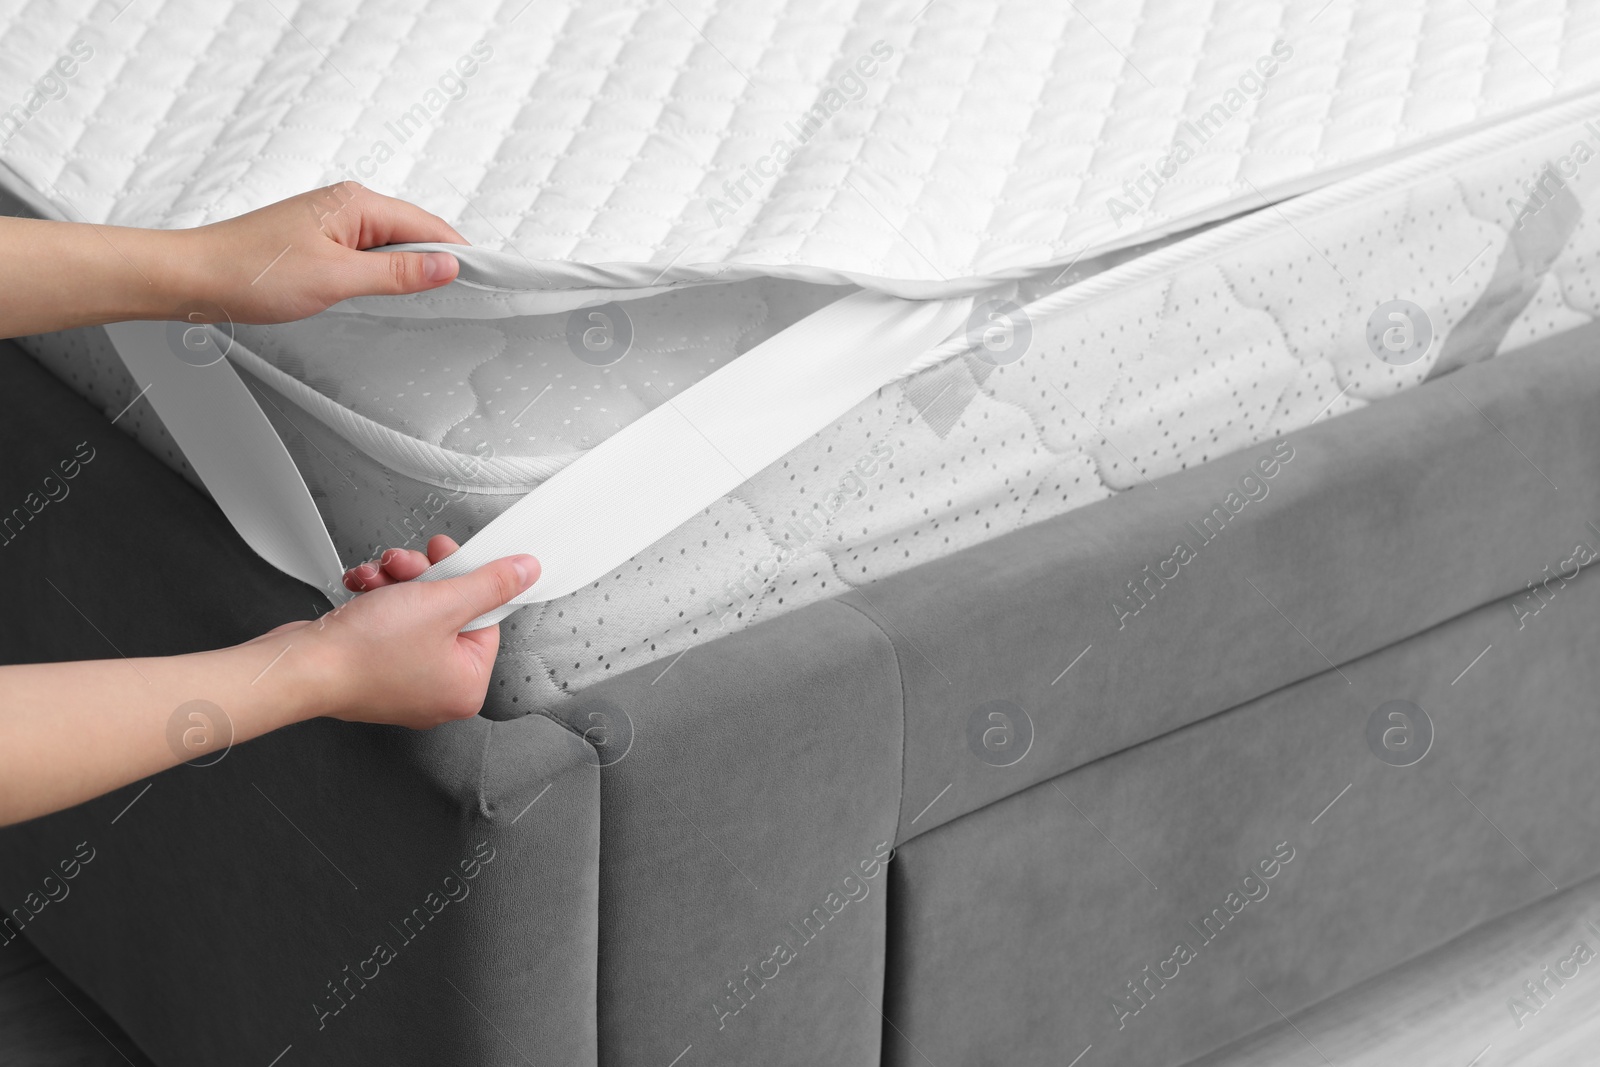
point(920, 148)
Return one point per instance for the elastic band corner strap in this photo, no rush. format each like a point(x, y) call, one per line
point(614, 501)
point(233, 448)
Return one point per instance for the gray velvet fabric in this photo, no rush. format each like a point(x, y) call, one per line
point(1017, 929)
point(1351, 554)
point(222, 901)
point(753, 811)
point(1385, 521)
point(739, 786)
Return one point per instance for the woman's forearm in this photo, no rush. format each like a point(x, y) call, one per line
point(72, 731)
point(63, 274)
point(395, 655)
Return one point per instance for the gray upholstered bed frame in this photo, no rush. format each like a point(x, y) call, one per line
point(1196, 835)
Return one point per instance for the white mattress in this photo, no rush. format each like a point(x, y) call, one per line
point(980, 161)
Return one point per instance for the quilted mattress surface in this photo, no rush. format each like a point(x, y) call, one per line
point(892, 140)
point(1073, 163)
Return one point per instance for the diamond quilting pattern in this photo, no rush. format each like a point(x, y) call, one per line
point(945, 141)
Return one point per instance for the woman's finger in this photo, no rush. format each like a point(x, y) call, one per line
point(398, 565)
point(365, 577)
point(403, 564)
point(440, 546)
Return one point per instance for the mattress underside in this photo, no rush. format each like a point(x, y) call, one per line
point(1223, 351)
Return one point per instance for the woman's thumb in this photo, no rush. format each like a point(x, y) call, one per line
point(398, 273)
point(491, 585)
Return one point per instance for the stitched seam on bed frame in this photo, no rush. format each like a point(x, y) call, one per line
point(483, 758)
point(1590, 568)
point(900, 675)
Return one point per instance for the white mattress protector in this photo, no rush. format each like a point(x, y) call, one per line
point(1196, 348)
point(929, 147)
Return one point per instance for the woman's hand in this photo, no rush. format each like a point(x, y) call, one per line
point(302, 255)
point(71, 731)
point(395, 654)
point(282, 262)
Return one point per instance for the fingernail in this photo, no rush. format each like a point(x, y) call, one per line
point(437, 266)
point(527, 570)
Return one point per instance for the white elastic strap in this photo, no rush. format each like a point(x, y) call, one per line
point(240, 458)
point(614, 501)
point(695, 448)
